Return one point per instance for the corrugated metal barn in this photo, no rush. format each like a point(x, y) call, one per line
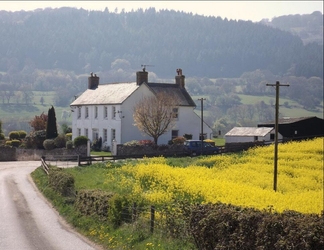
point(250, 134)
point(298, 128)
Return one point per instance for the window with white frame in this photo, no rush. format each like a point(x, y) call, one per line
point(105, 135)
point(86, 112)
point(79, 131)
point(96, 112)
point(113, 112)
point(79, 112)
point(175, 113)
point(113, 134)
point(86, 132)
point(105, 112)
point(174, 133)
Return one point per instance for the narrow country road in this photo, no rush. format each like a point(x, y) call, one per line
point(27, 220)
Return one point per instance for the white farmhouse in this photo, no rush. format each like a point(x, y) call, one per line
point(106, 110)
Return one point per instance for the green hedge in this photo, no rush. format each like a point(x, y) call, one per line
point(14, 135)
point(49, 144)
point(93, 202)
point(62, 182)
point(80, 140)
point(60, 141)
point(220, 226)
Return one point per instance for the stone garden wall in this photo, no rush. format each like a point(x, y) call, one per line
point(150, 150)
point(22, 154)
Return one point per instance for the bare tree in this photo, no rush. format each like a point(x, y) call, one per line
point(156, 115)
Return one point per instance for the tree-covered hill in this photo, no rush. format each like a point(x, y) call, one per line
point(308, 27)
point(83, 41)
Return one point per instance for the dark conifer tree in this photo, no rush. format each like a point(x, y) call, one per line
point(51, 128)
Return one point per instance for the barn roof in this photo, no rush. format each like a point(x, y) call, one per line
point(288, 120)
point(249, 131)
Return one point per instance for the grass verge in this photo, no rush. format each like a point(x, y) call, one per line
point(128, 236)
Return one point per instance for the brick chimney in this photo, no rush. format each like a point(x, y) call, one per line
point(93, 81)
point(141, 76)
point(180, 78)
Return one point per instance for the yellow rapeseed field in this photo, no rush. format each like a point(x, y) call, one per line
point(240, 179)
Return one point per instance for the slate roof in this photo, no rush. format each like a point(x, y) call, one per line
point(117, 93)
point(184, 99)
point(249, 131)
point(113, 93)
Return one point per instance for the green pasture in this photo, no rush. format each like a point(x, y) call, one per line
point(22, 113)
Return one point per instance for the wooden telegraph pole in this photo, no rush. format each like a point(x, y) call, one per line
point(275, 172)
point(202, 123)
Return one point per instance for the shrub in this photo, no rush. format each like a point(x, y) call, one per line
point(14, 135)
point(22, 134)
point(221, 226)
point(8, 143)
point(178, 140)
point(35, 139)
point(62, 182)
point(89, 202)
point(49, 144)
point(60, 141)
point(15, 143)
point(96, 145)
point(119, 210)
point(68, 136)
point(80, 140)
point(2, 137)
point(131, 143)
point(69, 145)
point(146, 142)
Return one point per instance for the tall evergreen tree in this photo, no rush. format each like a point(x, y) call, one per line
point(51, 128)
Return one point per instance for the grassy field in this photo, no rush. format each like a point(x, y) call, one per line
point(24, 113)
point(294, 110)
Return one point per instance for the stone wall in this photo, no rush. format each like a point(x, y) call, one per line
point(22, 154)
point(7, 154)
point(240, 146)
point(148, 150)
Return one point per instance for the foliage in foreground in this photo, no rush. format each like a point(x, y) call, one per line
point(244, 180)
point(168, 184)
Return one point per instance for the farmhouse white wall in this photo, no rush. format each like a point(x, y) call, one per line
point(124, 97)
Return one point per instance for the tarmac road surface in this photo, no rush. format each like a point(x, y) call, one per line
point(27, 220)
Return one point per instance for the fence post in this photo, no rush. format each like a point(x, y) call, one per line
point(152, 218)
point(79, 163)
point(134, 212)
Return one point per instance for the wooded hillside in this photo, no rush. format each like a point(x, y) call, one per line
point(83, 41)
